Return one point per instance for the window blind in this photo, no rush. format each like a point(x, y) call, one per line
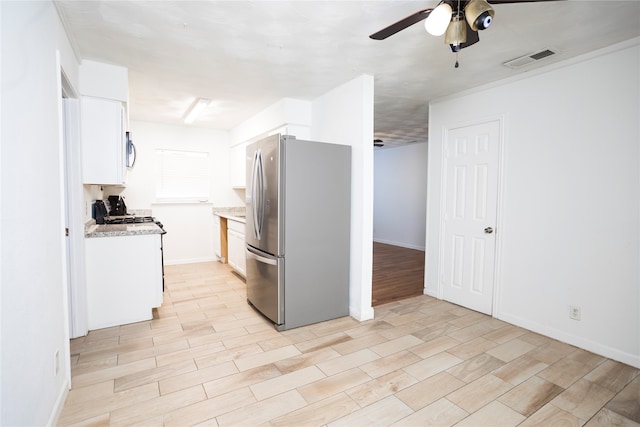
point(182, 175)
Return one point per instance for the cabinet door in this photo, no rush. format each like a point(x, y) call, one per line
point(123, 278)
point(237, 166)
point(233, 243)
point(236, 252)
point(242, 257)
point(103, 141)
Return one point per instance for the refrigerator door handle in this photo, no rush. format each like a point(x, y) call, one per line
point(261, 179)
point(254, 194)
point(252, 254)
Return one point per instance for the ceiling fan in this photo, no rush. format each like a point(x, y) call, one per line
point(459, 20)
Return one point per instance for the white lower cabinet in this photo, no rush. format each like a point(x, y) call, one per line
point(236, 245)
point(124, 279)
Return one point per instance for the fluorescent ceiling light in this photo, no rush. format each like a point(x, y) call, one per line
point(196, 109)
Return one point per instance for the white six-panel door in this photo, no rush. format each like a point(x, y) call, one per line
point(471, 197)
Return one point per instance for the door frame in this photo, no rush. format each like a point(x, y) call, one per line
point(501, 119)
point(71, 184)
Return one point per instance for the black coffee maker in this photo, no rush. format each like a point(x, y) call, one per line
point(99, 211)
point(117, 206)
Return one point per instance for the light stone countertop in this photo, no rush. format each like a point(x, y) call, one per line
point(232, 213)
point(111, 230)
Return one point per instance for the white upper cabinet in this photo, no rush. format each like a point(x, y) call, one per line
point(103, 122)
point(288, 116)
point(238, 156)
point(103, 141)
point(299, 131)
point(238, 166)
point(104, 81)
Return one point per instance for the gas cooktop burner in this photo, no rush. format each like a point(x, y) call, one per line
point(130, 220)
point(143, 219)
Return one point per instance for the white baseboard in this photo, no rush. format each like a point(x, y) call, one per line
point(59, 405)
point(429, 292)
point(189, 261)
point(361, 316)
point(401, 244)
point(585, 344)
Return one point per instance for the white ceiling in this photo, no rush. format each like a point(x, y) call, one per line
point(246, 55)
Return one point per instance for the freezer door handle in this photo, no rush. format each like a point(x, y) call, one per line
point(252, 254)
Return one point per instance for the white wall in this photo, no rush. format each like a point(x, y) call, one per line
point(33, 299)
point(288, 115)
point(400, 195)
point(569, 228)
point(345, 116)
point(189, 227)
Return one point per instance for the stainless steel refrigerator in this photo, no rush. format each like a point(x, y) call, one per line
point(298, 230)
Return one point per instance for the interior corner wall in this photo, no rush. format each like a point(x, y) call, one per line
point(33, 306)
point(189, 227)
point(345, 116)
point(285, 112)
point(400, 196)
point(569, 224)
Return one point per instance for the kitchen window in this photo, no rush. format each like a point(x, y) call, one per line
point(183, 176)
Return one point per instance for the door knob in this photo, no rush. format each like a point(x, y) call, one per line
point(488, 230)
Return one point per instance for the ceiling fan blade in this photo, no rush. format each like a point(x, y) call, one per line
point(401, 24)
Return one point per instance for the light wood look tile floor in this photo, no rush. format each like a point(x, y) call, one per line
point(208, 359)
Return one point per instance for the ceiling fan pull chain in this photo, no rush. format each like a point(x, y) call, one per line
point(457, 64)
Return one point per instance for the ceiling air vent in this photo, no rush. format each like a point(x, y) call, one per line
point(528, 59)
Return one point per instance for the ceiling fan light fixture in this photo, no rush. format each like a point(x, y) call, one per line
point(438, 20)
point(456, 33)
point(479, 14)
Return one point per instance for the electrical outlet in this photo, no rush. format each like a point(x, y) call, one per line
point(574, 312)
point(56, 363)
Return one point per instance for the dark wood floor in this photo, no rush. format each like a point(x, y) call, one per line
point(398, 273)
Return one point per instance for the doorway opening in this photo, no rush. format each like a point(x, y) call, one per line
point(398, 273)
point(399, 222)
